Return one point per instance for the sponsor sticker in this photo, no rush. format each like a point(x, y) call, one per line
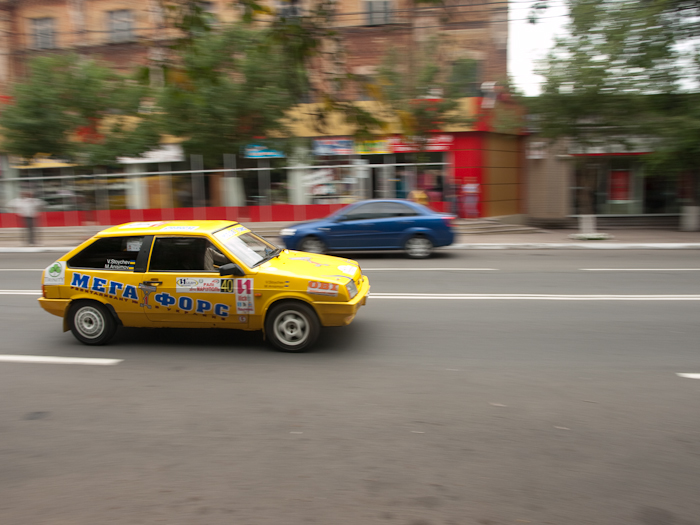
point(347, 269)
point(119, 264)
point(276, 284)
point(242, 319)
point(240, 229)
point(179, 228)
point(203, 285)
point(244, 296)
point(134, 245)
point(320, 288)
point(134, 225)
point(56, 273)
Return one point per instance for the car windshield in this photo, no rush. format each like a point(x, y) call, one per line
point(247, 247)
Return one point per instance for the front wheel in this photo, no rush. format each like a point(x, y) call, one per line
point(312, 244)
point(418, 247)
point(91, 323)
point(292, 326)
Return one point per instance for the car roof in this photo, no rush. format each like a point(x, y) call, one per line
point(166, 228)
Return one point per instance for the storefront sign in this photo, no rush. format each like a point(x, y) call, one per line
point(166, 153)
point(328, 147)
point(323, 176)
point(257, 151)
point(435, 143)
point(619, 185)
point(536, 150)
point(372, 147)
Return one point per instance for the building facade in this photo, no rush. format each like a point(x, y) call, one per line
point(329, 171)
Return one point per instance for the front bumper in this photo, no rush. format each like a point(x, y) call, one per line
point(342, 314)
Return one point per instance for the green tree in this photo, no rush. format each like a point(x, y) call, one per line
point(226, 90)
point(76, 109)
point(617, 75)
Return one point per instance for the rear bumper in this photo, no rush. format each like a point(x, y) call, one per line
point(342, 314)
point(54, 306)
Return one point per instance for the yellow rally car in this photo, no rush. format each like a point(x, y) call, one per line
point(200, 274)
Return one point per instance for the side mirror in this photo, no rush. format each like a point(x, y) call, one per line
point(231, 269)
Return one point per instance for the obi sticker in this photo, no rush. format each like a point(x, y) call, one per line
point(56, 273)
point(179, 228)
point(134, 225)
point(319, 288)
point(348, 269)
point(244, 296)
point(203, 285)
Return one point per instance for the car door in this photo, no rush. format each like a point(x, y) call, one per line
point(182, 284)
point(356, 228)
point(393, 220)
point(111, 268)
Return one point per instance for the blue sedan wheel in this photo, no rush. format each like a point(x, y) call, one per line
point(312, 244)
point(418, 247)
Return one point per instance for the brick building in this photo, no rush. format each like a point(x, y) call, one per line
point(473, 42)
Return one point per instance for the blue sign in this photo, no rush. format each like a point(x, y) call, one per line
point(257, 151)
point(327, 147)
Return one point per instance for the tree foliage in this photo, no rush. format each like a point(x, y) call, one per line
point(227, 91)
point(76, 109)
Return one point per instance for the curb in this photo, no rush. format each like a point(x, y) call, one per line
point(461, 246)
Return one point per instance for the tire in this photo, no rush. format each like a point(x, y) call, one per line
point(91, 322)
point(418, 247)
point(292, 326)
point(312, 244)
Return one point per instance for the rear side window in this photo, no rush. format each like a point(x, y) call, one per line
point(109, 253)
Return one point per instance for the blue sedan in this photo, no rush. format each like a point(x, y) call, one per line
point(387, 224)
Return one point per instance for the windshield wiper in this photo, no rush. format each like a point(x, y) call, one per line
point(274, 253)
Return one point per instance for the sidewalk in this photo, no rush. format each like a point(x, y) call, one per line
point(63, 239)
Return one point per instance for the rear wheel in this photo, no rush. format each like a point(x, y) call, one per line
point(418, 247)
point(91, 322)
point(292, 326)
point(312, 244)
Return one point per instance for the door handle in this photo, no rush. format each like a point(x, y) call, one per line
point(153, 283)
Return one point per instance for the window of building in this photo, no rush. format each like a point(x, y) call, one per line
point(289, 8)
point(43, 33)
point(378, 12)
point(464, 78)
point(120, 25)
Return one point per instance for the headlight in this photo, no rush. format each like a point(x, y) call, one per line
point(286, 232)
point(351, 288)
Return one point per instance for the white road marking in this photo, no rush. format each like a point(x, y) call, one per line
point(689, 376)
point(532, 297)
point(640, 269)
point(21, 269)
point(48, 359)
point(430, 269)
point(20, 292)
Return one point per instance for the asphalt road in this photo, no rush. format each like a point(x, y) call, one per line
point(474, 388)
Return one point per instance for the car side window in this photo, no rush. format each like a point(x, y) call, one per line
point(364, 212)
point(396, 209)
point(109, 253)
point(185, 254)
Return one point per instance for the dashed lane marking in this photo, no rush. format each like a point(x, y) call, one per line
point(20, 292)
point(640, 269)
point(689, 376)
point(532, 297)
point(56, 360)
point(430, 269)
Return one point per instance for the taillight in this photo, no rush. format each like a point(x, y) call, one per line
point(448, 220)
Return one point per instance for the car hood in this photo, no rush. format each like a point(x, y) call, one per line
point(313, 266)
